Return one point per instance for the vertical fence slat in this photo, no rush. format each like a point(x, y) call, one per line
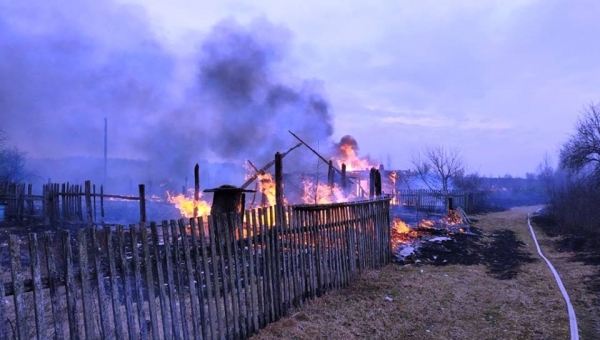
point(72, 314)
point(199, 277)
point(196, 321)
point(227, 220)
point(256, 272)
point(38, 297)
point(173, 290)
point(210, 298)
point(18, 289)
point(102, 296)
point(112, 267)
point(164, 310)
point(53, 285)
point(150, 283)
point(139, 289)
point(125, 276)
point(86, 293)
point(178, 277)
point(219, 290)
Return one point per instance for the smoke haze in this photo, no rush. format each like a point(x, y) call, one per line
point(65, 66)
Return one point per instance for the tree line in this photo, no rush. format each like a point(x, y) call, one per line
point(573, 187)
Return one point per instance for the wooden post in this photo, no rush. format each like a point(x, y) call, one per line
point(372, 183)
point(330, 174)
point(344, 181)
point(278, 180)
point(377, 183)
point(196, 188)
point(88, 201)
point(102, 201)
point(142, 203)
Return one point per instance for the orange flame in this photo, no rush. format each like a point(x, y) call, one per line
point(401, 232)
point(347, 153)
point(266, 185)
point(186, 205)
point(321, 193)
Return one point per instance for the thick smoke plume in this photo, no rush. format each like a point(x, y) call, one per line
point(64, 66)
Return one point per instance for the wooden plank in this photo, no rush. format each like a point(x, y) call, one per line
point(220, 303)
point(85, 285)
point(255, 274)
point(212, 309)
point(17, 279)
point(190, 280)
point(268, 265)
point(102, 296)
point(217, 228)
point(243, 229)
point(102, 202)
point(142, 191)
point(178, 277)
point(139, 289)
point(114, 284)
point(276, 266)
point(38, 298)
point(284, 257)
point(88, 201)
point(264, 268)
point(150, 282)
point(164, 304)
point(199, 277)
point(227, 220)
point(173, 290)
point(127, 290)
point(72, 313)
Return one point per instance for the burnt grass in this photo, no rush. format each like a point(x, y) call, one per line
point(500, 251)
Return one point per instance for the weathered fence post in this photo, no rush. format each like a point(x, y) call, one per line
point(88, 201)
point(142, 203)
point(344, 180)
point(278, 180)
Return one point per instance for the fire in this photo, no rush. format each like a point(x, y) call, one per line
point(401, 232)
point(266, 185)
point(321, 193)
point(426, 224)
point(454, 218)
point(186, 205)
point(347, 153)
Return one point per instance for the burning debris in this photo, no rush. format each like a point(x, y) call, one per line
point(408, 239)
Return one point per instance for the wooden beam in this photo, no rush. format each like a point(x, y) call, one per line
point(267, 166)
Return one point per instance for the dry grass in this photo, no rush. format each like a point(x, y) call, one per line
point(447, 302)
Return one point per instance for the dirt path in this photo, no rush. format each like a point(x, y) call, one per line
point(491, 285)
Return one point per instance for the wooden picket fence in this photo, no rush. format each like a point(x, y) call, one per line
point(220, 277)
point(432, 200)
point(58, 203)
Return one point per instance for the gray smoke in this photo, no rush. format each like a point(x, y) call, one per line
point(66, 65)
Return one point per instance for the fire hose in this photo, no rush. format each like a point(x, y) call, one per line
point(572, 318)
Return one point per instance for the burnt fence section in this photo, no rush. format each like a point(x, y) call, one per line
point(432, 200)
point(220, 277)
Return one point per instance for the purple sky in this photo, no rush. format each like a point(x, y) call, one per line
point(504, 81)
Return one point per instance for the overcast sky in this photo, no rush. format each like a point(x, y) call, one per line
point(503, 81)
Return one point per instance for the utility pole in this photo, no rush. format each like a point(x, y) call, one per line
point(105, 150)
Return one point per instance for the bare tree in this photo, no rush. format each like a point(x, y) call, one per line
point(437, 165)
point(582, 151)
point(12, 162)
